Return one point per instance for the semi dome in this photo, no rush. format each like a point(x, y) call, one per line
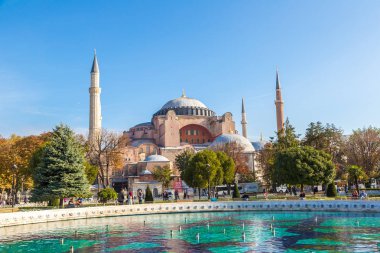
point(185, 106)
point(259, 145)
point(156, 158)
point(146, 172)
point(231, 138)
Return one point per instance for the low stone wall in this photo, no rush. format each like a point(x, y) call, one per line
point(30, 217)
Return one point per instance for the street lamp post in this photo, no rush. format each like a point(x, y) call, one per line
point(208, 188)
point(14, 168)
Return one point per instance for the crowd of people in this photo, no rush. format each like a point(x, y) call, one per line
point(8, 201)
point(128, 198)
point(341, 190)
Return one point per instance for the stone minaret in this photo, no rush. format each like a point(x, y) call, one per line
point(243, 119)
point(95, 109)
point(279, 105)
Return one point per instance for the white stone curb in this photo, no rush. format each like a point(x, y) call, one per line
point(31, 217)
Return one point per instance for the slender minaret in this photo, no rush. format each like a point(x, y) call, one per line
point(279, 105)
point(95, 109)
point(243, 119)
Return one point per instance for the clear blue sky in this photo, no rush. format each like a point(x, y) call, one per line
point(328, 54)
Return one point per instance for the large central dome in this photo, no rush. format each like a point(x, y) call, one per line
point(184, 102)
point(185, 106)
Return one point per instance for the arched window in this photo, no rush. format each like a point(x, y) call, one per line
point(195, 134)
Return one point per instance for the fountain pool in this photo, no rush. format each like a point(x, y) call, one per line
point(244, 231)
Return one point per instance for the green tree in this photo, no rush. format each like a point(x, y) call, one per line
point(331, 190)
point(329, 139)
point(287, 137)
point(91, 172)
point(148, 194)
point(240, 158)
point(236, 193)
point(182, 160)
point(107, 194)
point(303, 165)
point(162, 175)
point(193, 178)
point(228, 166)
point(60, 172)
point(207, 169)
point(356, 173)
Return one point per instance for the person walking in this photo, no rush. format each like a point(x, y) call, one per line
point(294, 190)
point(315, 190)
point(130, 197)
point(140, 196)
point(120, 197)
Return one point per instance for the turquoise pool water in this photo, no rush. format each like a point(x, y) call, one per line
point(218, 232)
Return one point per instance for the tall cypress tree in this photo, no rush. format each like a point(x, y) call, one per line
point(61, 171)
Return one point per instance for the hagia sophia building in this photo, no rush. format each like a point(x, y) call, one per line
point(181, 123)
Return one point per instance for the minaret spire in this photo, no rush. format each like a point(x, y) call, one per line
point(279, 105)
point(243, 119)
point(95, 66)
point(95, 124)
point(278, 86)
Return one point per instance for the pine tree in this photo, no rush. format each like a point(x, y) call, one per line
point(61, 171)
point(148, 195)
point(236, 193)
point(331, 190)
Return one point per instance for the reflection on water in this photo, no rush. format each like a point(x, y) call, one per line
point(202, 232)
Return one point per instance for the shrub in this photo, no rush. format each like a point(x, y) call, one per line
point(148, 194)
point(331, 190)
point(54, 202)
point(107, 194)
point(236, 193)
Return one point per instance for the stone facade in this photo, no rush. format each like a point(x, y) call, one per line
point(182, 123)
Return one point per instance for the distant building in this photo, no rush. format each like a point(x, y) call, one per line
point(181, 123)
